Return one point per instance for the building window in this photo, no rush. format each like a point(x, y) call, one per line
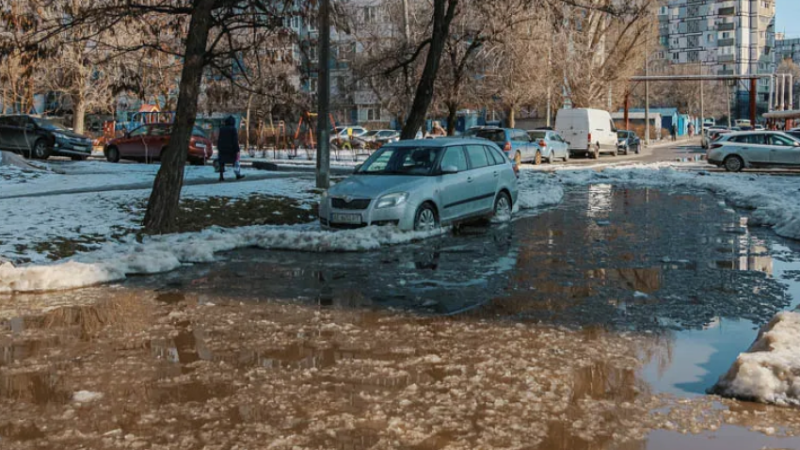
point(312, 85)
point(373, 114)
point(370, 14)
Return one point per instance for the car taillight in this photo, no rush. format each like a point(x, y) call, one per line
point(507, 147)
point(589, 138)
point(713, 146)
point(542, 143)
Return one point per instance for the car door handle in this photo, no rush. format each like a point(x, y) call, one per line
point(469, 179)
point(496, 174)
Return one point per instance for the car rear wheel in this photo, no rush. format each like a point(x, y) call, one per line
point(552, 158)
point(594, 153)
point(502, 207)
point(40, 150)
point(538, 159)
point(79, 158)
point(734, 164)
point(425, 219)
point(566, 156)
point(112, 155)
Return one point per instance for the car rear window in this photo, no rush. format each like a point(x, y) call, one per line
point(491, 135)
point(536, 135)
point(477, 156)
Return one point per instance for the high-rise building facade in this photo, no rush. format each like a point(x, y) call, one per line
point(721, 37)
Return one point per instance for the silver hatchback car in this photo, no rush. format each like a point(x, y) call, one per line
point(423, 184)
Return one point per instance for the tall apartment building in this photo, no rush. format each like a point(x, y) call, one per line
point(721, 37)
point(787, 49)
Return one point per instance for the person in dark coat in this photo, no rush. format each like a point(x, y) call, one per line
point(228, 149)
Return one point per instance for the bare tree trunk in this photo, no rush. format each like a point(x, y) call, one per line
point(163, 205)
point(452, 116)
point(78, 114)
point(512, 117)
point(442, 17)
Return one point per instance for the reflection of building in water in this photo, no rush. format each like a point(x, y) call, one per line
point(600, 197)
point(747, 252)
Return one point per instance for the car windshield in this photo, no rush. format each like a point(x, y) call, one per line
point(370, 133)
point(165, 130)
point(401, 161)
point(536, 135)
point(491, 135)
point(622, 134)
point(46, 124)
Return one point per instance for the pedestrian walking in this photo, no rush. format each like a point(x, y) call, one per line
point(228, 149)
point(674, 132)
point(438, 131)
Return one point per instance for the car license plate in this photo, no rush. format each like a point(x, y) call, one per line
point(353, 219)
point(201, 145)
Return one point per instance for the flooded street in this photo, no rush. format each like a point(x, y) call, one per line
point(596, 325)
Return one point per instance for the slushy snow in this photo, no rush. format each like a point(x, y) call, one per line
point(159, 254)
point(769, 372)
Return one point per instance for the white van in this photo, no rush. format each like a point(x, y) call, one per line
point(588, 131)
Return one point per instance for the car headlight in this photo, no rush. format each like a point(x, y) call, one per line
point(392, 200)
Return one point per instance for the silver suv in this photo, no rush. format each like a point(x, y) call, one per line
point(423, 184)
point(753, 149)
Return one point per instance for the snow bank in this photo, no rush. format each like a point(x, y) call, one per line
point(114, 262)
point(538, 190)
point(769, 372)
point(13, 160)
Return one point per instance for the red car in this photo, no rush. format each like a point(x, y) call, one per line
point(148, 141)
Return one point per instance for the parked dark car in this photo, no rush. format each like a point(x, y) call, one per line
point(35, 137)
point(628, 141)
point(148, 141)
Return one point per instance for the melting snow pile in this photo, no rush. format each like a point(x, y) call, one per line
point(770, 370)
point(164, 253)
point(538, 190)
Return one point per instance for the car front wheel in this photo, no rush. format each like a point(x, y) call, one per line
point(40, 150)
point(112, 155)
point(425, 219)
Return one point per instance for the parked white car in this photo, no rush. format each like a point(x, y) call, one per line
point(752, 149)
point(588, 132)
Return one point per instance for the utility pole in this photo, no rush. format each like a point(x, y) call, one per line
point(702, 110)
point(549, 83)
point(324, 97)
point(646, 92)
point(728, 101)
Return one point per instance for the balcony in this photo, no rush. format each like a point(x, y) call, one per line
point(726, 42)
point(726, 58)
point(730, 11)
point(726, 26)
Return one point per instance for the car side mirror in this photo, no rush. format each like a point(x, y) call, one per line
point(448, 170)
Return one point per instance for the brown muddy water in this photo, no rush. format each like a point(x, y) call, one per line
point(597, 325)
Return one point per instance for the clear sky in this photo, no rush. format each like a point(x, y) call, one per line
point(787, 17)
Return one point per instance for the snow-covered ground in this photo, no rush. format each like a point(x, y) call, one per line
point(769, 372)
point(70, 176)
point(88, 217)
